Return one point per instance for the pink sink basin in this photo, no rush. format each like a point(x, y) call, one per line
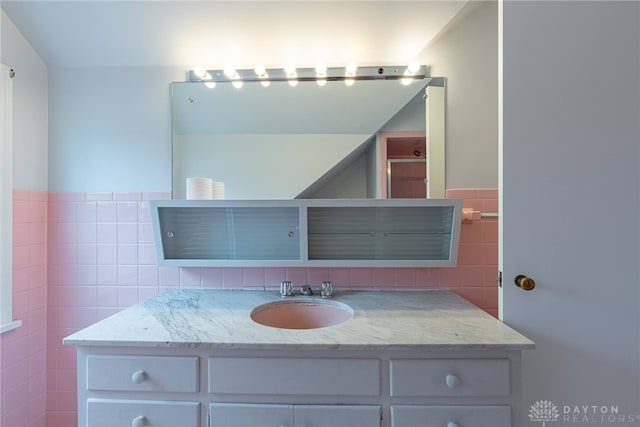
point(301, 314)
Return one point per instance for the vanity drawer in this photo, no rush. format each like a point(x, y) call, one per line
point(450, 377)
point(250, 415)
point(139, 413)
point(290, 376)
point(450, 415)
point(142, 373)
point(259, 415)
point(337, 415)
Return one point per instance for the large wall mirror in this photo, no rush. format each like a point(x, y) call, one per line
point(307, 141)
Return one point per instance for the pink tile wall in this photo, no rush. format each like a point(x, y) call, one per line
point(475, 276)
point(24, 350)
point(102, 259)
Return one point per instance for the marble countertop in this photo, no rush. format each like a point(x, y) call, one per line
point(393, 320)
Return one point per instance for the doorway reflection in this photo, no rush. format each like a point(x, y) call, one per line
point(406, 167)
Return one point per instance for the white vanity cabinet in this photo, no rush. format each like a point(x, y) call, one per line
point(297, 388)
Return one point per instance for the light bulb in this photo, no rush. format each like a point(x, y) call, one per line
point(349, 82)
point(406, 80)
point(414, 66)
point(208, 80)
point(290, 70)
point(229, 71)
point(321, 82)
point(293, 83)
point(321, 70)
point(260, 70)
point(351, 68)
point(200, 72)
point(237, 84)
point(265, 83)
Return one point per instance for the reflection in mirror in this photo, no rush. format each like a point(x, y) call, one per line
point(283, 142)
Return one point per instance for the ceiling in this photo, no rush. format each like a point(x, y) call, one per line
point(86, 33)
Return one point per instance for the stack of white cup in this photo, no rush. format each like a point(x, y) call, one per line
point(203, 188)
point(217, 190)
point(199, 188)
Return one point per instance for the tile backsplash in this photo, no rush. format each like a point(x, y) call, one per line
point(92, 254)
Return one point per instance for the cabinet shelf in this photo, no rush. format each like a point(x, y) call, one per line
point(310, 232)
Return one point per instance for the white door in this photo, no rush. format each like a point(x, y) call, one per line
point(570, 210)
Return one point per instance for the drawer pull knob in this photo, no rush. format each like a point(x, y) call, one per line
point(137, 378)
point(452, 381)
point(139, 421)
point(452, 424)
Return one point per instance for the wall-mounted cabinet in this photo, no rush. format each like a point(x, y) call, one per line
point(309, 232)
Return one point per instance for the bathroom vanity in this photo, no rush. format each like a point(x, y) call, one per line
point(195, 358)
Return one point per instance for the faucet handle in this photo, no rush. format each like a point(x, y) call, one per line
point(327, 289)
point(286, 290)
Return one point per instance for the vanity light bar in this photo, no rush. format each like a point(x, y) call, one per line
point(311, 74)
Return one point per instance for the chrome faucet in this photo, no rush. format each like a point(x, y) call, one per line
point(327, 289)
point(306, 290)
point(286, 290)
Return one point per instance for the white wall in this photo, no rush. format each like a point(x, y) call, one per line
point(466, 53)
point(111, 128)
point(30, 109)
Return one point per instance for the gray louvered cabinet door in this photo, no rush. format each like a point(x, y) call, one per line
point(380, 233)
point(230, 233)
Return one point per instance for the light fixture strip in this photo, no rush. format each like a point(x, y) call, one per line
point(310, 74)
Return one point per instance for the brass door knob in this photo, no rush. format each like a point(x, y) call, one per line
point(525, 283)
